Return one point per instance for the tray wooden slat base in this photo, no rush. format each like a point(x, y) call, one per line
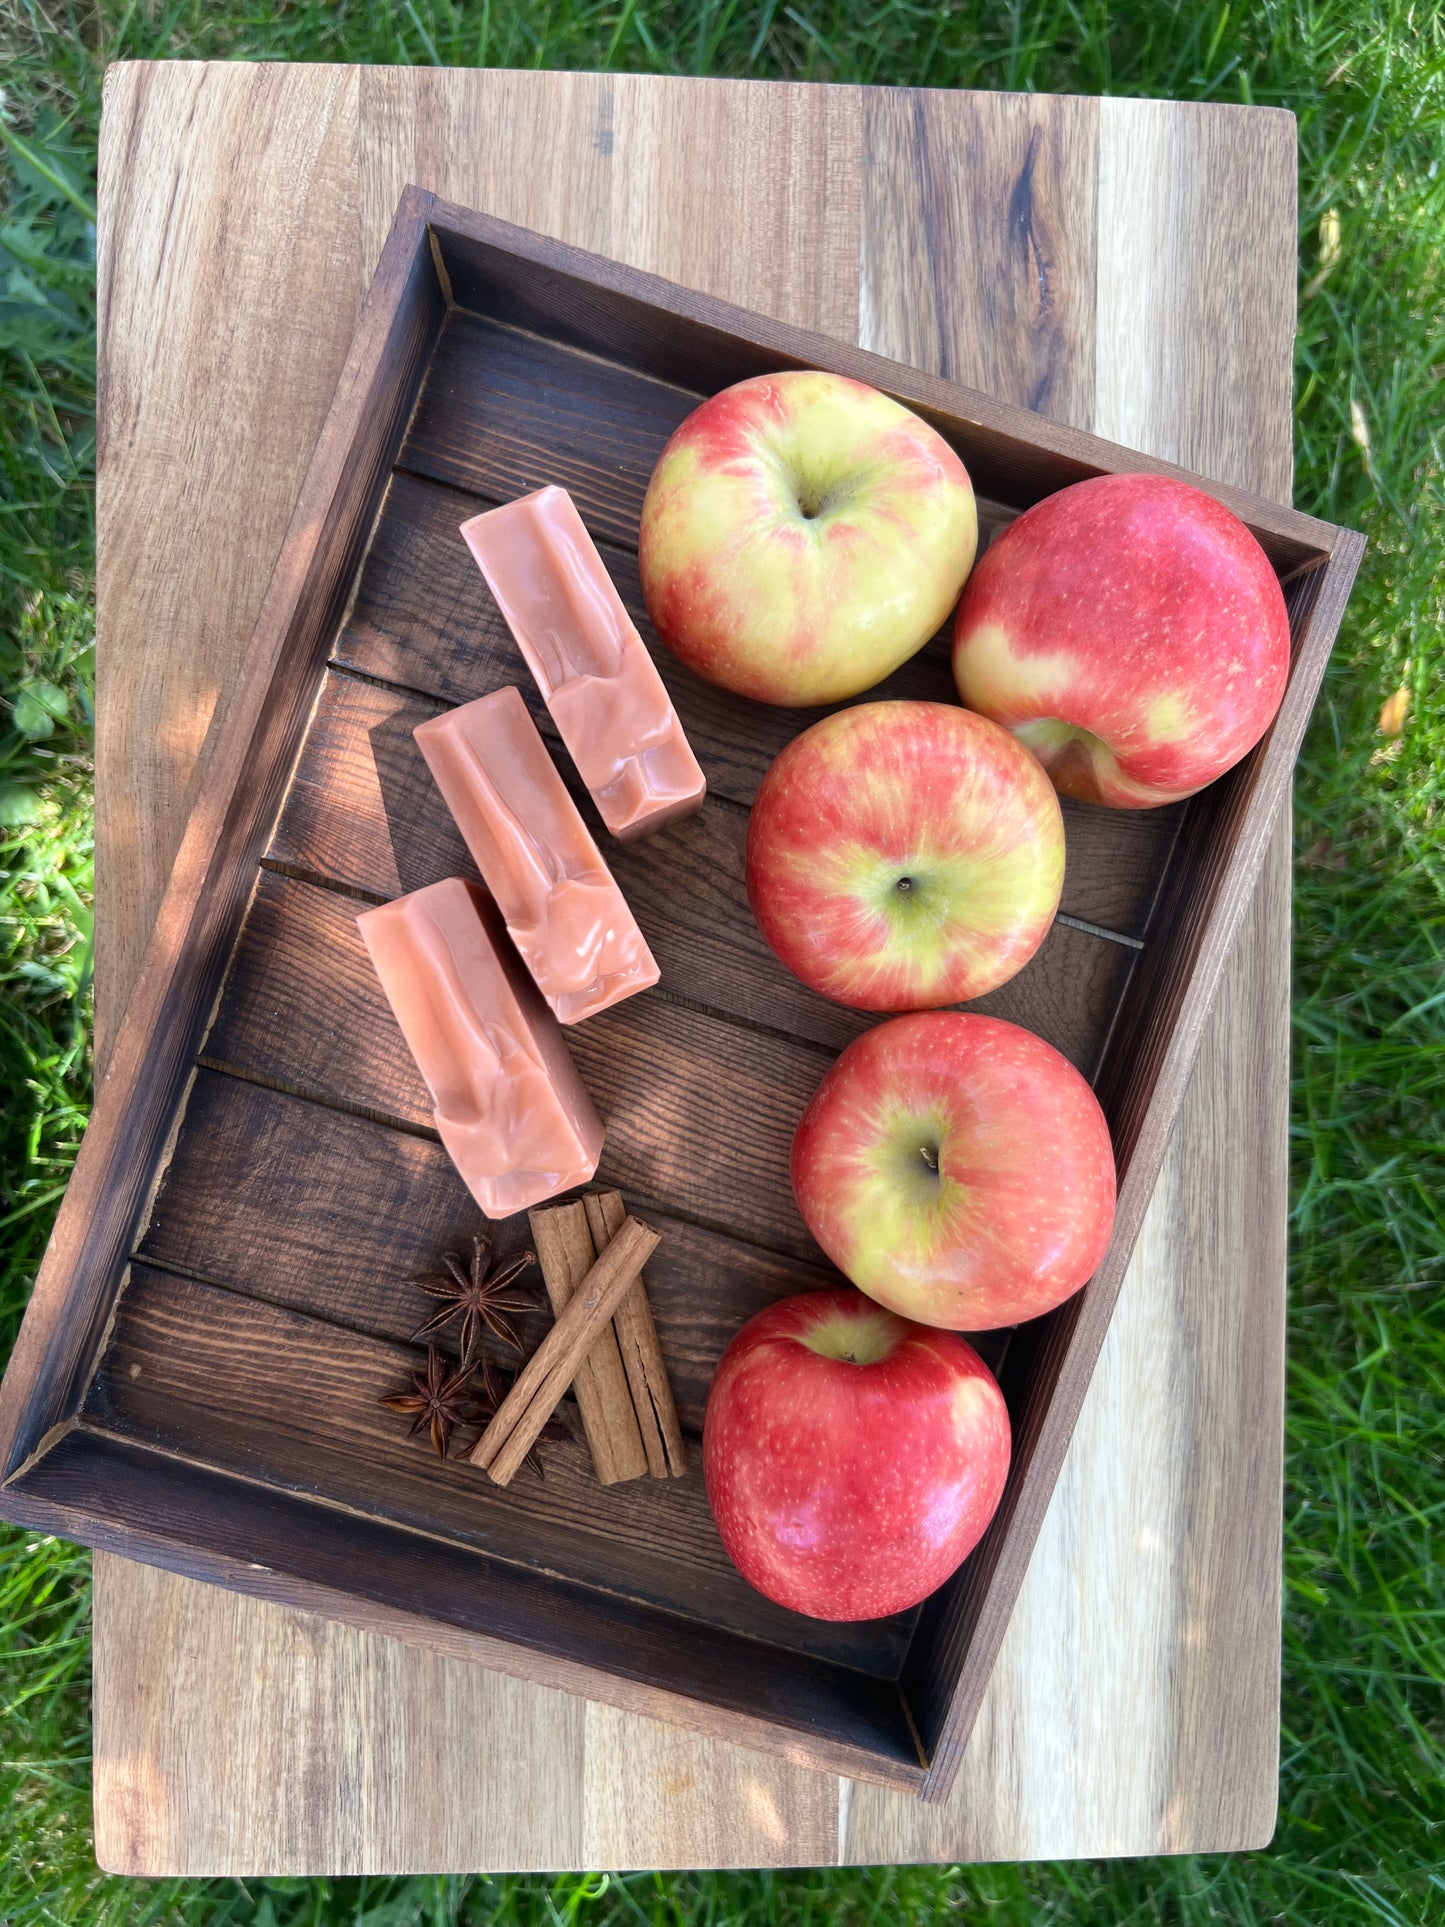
point(986, 122)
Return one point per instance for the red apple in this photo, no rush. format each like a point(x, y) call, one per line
point(905, 855)
point(958, 1170)
point(802, 536)
point(852, 1459)
point(1131, 631)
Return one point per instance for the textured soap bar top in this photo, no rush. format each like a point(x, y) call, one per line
point(513, 1114)
point(563, 910)
point(595, 675)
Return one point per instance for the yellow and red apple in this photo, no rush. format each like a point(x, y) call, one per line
point(958, 1170)
point(904, 855)
point(853, 1460)
point(1132, 632)
point(802, 536)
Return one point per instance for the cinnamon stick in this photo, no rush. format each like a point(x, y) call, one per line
point(641, 1353)
point(566, 1254)
point(540, 1384)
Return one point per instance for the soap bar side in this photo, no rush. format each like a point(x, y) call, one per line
point(602, 688)
point(563, 908)
point(510, 1108)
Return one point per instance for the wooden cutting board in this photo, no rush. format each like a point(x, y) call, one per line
point(1127, 266)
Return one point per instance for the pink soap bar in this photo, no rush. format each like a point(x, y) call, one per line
point(564, 912)
point(512, 1111)
point(595, 675)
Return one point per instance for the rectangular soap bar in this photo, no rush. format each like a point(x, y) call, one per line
point(565, 913)
point(595, 674)
point(513, 1114)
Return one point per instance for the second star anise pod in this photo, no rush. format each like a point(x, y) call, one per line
point(478, 1295)
point(443, 1397)
point(492, 1399)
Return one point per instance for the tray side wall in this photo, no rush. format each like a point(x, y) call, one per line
point(112, 1494)
point(702, 344)
point(251, 750)
point(1207, 889)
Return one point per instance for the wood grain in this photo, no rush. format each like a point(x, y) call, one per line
point(562, 120)
point(201, 410)
point(596, 430)
point(980, 241)
point(517, 1751)
point(251, 1536)
point(631, 182)
point(381, 1715)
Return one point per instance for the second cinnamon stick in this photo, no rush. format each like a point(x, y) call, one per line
point(540, 1384)
point(641, 1353)
point(566, 1252)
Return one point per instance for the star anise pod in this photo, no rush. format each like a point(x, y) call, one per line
point(443, 1397)
point(551, 1430)
point(478, 1295)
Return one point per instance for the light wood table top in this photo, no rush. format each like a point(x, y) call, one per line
point(1126, 266)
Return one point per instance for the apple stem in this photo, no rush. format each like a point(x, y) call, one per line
point(929, 1156)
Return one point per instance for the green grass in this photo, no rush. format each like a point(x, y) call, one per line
point(1362, 1829)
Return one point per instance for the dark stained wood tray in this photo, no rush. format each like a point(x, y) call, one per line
point(226, 1292)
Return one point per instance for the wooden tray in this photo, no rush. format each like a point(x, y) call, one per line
point(218, 1415)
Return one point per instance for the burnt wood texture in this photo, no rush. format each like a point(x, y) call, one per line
point(219, 1311)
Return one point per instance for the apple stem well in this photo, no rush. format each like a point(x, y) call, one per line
point(818, 494)
point(810, 492)
point(912, 1155)
point(863, 1338)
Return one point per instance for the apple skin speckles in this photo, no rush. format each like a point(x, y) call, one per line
point(1132, 632)
point(1017, 1215)
point(849, 1481)
point(803, 535)
point(905, 855)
